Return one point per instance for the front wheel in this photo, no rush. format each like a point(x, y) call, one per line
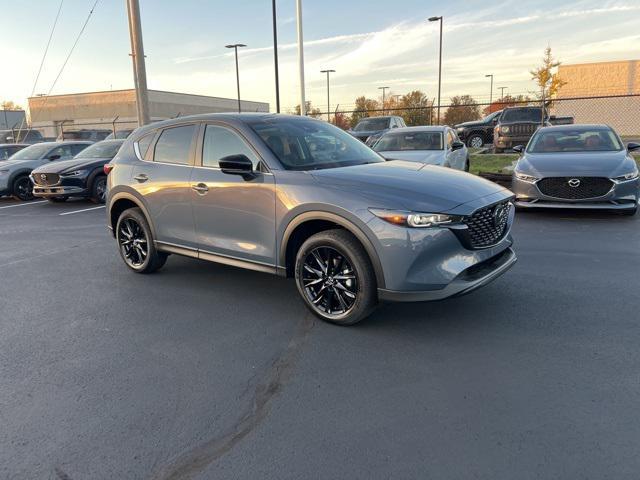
point(22, 188)
point(135, 243)
point(475, 141)
point(335, 278)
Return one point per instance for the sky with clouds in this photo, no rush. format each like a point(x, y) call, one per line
point(370, 43)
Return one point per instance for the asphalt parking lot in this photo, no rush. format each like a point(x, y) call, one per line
point(206, 371)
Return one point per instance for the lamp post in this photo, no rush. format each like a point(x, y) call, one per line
point(491, 91)
point(502, 89)
point(235, 47)
point(436, 19)
point(303, 102)
point(384, 91)
point(328, 72)
point(275, 54)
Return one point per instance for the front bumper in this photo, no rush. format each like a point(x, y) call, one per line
point(58, 191)
point(622, 196)
point(469, 280)
point(510, 142)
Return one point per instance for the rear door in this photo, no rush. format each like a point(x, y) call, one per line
point(234, 216)
point(162, 180)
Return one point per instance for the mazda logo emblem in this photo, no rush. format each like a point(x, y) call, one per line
point(43, 176)
point(574, 182)
point(499, 213)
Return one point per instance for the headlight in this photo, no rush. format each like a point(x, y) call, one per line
point(414, 220)
point(627, 177)
point(75, 173)
point(505, 129)
point(526, 178)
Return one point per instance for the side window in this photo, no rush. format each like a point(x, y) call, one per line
point(174, 145)
point(76, 149)
point(401, 122)
point(220, 142)
point(144, 143)
point(5, 153)
point(450, 138)
point(64, 151)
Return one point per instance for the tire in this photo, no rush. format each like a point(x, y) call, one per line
point(475, 141)
point(99, 189)
point(335, 278)
point(133, 234)
point(22, 188)
point(58, 199)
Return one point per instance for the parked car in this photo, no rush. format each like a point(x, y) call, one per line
point(579, 166)
point(120, 134)
point(24, 135)
point(369, 129)
point(516, 125)
point(93, 135)
point(83, 176)
point(478, 133)
point(247, 190)
point(14, 173)
point(437, 145)
point(8, 149)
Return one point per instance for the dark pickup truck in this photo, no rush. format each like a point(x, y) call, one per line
point(517, 125)
point(479, 132)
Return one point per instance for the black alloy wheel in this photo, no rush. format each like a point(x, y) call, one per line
point(99, 190)
point(135, 242)
point(22, 188)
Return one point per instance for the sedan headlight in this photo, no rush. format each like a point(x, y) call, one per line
point(505, 129)
point(75, 173)
point(526, 178)
point(414, 219)
point(627, 177)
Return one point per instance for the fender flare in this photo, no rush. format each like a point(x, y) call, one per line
point(343, 222)
point(134, 199)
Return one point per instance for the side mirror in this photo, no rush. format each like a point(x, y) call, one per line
point(632, 146)
point(519, 149)
point(237, 165)
point(51, 158)
point(457, 145)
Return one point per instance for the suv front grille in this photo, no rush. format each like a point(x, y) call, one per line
point(522, 129)
point(46, 179)
point(488, 225)
point(574, 188)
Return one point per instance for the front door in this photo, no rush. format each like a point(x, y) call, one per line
point(235, 216)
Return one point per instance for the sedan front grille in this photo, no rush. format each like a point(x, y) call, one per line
point(575, 188)
point(488, 225)
point(46, 179)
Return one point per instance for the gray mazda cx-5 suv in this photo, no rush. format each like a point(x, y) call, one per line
point(301, 198)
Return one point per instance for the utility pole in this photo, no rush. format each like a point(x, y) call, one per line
point(502, 89)
point(435, 19)
point(139, 69)
point(491, 91)
point(235, 47)
point(384, 91)
point(275, 54)
point(303, 103)
point(328, 103)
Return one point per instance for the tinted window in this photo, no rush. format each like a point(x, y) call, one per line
point(144, 142)
point(65, 152)
point(575, 140)
point(76, 149)
point(409, 141)
point(220, 142)
point(101, 150)
point(372, 124)
point(522, 115)
point(174, 145)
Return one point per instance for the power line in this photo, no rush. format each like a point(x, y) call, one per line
point(46, 49)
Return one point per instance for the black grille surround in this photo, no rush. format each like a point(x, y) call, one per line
point(574, 188)
point(46, 179)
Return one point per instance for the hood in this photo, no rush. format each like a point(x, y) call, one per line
point(409, 185)
point(474, 123)
point(17, 164)
point(431, 157)
point(588, 164)
point(66, 166)
point(366, 133)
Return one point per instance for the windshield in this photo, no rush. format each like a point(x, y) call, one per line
point(370, 124)
point(101, 150)
point(573, 140)
point(522, 115)
point(33, 152)
point(305, 144)
point(396, 141)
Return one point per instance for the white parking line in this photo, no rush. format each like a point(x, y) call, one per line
point(80, 211)
point(24, 204)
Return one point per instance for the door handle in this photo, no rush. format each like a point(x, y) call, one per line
point(201, 188)
point(141, 178)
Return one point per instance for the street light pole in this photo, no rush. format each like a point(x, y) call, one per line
point(491, 91)
point(275, 54)
point(235, 48)
point(303, 103)
point(139, 69)
point(502, 89)
point(384, 91)
point(436, 19)
point(328, 103)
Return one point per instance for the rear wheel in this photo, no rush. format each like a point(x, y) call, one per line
point(475, 141)
point(335, 278)
point(135, 243)
point(99, 189)
point(22, 188)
